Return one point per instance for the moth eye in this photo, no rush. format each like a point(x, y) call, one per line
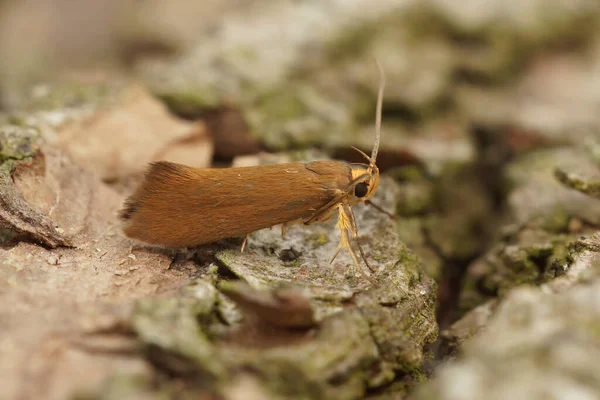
point(361, 189)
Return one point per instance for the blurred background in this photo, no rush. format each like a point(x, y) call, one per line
point(300, 73)
point(491, 115)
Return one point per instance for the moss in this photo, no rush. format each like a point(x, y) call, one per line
point(192, 103)
point(558, 262)
point(296, 117)
point(556, 221)
point(17, 143)
point(585, 184)
point(537, 257)
point(282, 105)
point(408, 173)
point(410, 262)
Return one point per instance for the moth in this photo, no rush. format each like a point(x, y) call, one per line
point(177, 206)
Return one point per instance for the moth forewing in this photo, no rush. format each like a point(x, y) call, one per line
point(179, 206)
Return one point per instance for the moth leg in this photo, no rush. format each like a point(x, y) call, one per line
point(244, 242)
point(327, 209)
point(380, 209)
point(344, 243)
point(286, 225)
point(321, 216)
point(354, 231)
point(345, 225)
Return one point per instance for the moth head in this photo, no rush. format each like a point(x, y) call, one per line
point(365, 179)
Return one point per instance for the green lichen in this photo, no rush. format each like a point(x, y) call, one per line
point(318, 239)
point(508, 43)
point(297, 117)
point(170, 330)
point(334, 363)
point(190, 103)
point(556, 221)
point(589, 185)
point(537, 257)
point(409, 261)
point(312, 369)
point(17, 143)
point(559, 261)
point(408, 173)
point(398, 330)
point(353, 43)
point(67, 95)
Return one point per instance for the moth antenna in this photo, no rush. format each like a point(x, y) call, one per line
point(371, 160)
point(378, 111)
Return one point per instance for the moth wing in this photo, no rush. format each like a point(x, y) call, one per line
point(180, 206)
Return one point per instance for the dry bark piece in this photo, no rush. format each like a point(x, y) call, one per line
point(19, 153)
point(49, 297)
point(194, 149)
point(119, 140)
point(284, 307)
point(25, 222)
point(231, 134)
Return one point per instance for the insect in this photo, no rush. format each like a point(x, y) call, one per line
point(179, 206)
